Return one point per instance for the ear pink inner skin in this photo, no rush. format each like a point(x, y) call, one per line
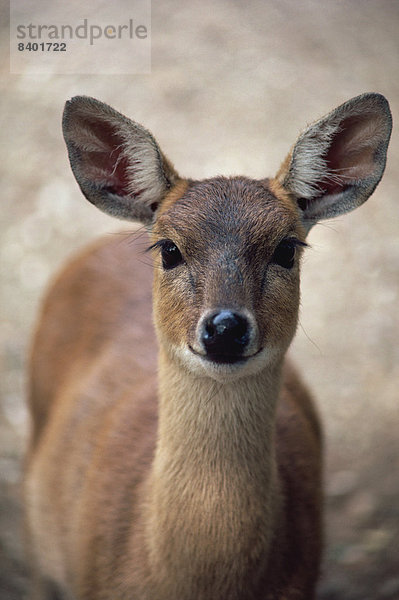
point(351, 154)
point(105, 166)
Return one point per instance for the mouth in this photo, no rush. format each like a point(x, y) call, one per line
point(225, 359)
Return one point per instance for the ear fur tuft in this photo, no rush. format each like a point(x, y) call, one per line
point(337, 162)
point(116, 162)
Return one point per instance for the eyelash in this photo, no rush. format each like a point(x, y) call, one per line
point(171, 255)
point(285, 251)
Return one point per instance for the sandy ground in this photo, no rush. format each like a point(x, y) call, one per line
point(231, 85)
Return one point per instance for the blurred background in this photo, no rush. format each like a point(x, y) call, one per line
point(232, 83)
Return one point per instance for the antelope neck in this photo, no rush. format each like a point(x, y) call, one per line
point(214, 469)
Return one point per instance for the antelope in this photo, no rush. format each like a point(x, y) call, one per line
point(199, 478)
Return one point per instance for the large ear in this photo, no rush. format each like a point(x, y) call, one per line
point(338, 161)
point(117, 163)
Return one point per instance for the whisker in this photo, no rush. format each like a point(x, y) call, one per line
point(309, 338)
point(216, 389)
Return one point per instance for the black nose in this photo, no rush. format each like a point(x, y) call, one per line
point(225, 335)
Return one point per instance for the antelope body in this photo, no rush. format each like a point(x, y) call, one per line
point(202, 482)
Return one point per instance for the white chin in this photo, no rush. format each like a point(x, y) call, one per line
point(222, 372)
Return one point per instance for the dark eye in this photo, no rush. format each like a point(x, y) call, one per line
point(284, 254)
point(171, 255)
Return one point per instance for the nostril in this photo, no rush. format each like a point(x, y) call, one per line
point(225, 336)
point(209, 330)
point(230, 324)
point(220, 324)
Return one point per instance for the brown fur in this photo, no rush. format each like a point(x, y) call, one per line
point(95, 423)
point(209, 487)
point(98, 429)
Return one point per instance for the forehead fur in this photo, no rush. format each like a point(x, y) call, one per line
point(226, 209)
